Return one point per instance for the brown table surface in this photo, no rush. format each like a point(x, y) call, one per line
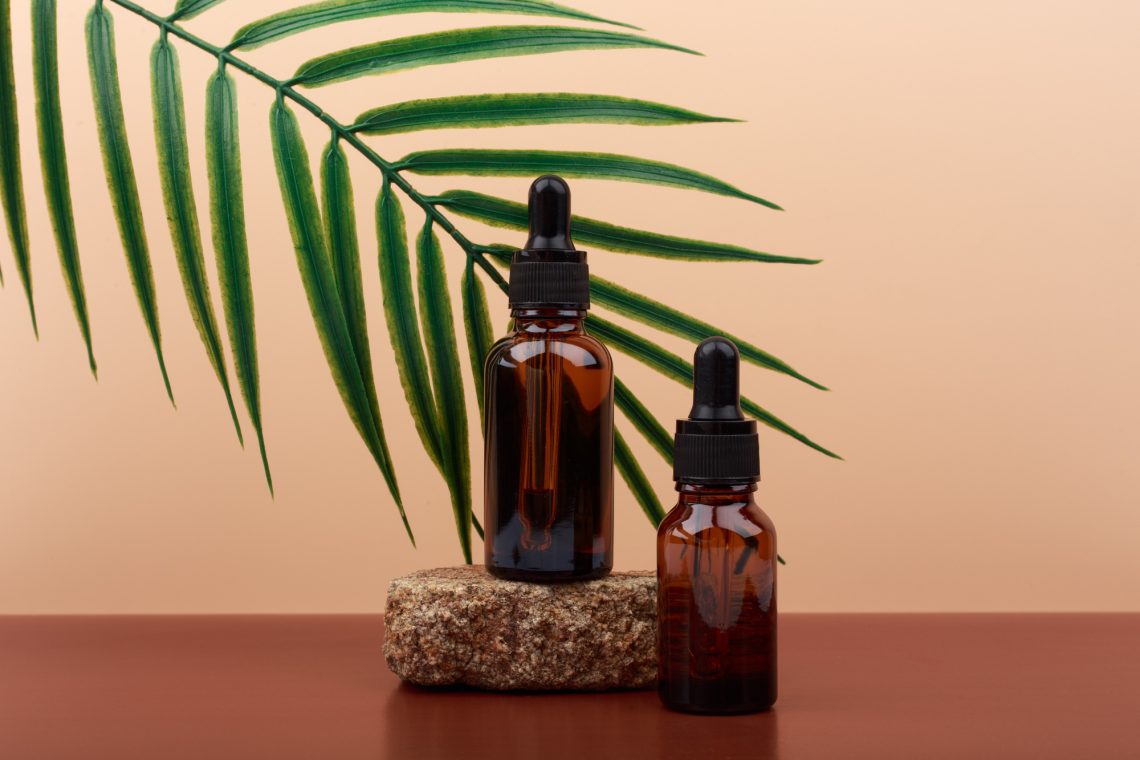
point(851, 686)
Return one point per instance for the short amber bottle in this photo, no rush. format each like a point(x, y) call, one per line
point(549, 414)
point(716, 556)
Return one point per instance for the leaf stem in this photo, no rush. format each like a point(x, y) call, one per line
point(389, 169)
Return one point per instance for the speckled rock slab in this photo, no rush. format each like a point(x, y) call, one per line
point(460, 625)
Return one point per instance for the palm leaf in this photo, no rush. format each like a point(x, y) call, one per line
point(317, 276)
point(185, 9)
point(326, 246)
point(340, 225)
point(11, 175)
point(461, 45)
point(673, 366)
point(643, 420)
point(447, 377)
point(231, 251)
point(477, 319)
point(403, 329)
point(656, 314)
point(517, 109)
point(296, 20)
point(181, 210)
point(526, 163)
point(635, 478)
point(511, 215)
point(53, 161)
point(120, 171)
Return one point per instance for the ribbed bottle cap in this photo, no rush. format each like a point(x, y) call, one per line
point(548, 270)
point(716, 444)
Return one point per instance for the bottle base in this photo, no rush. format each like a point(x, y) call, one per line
point(718, 710)
point(547, 576)
point(714, 699)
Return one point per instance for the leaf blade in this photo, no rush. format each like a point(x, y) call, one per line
point(670, 320)
point(315, 265)
point(458, 45)
point(443, 354)
point(400, 316)
point(671, 365)
point(340, 225)
point(635, 478)
point(231, 249)
point(296, 20)
point(477, 320)
point(11, 173)
point(518, 109)
point(119, 168)
point(642, 419)
point(53, 163)
point(181, 209)
point(498, 212)
point(610, 166)
point(666, 318)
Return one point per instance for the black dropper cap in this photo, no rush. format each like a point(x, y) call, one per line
point(716, 444)
point(548, 271)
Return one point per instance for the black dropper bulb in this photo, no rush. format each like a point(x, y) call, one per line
point(548, 271)
point(716, 381)
point(716, 444)
point(549, 211)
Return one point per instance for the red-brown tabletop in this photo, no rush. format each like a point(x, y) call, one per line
point(851, 686)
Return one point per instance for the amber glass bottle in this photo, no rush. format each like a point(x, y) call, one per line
point(716, 556)
point(549, 414)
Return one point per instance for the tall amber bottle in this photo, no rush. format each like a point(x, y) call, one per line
point(549, 414)
point(716, 555)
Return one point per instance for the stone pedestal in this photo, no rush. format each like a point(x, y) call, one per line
point(460, 625)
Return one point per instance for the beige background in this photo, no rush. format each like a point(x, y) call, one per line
point(969, 172)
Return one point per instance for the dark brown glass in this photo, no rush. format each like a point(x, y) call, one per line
point(549, 450)
point(716, 602)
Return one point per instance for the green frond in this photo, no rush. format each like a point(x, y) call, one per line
point(231, 250)
point(403, 328)
point(498, 212)
point(519, 109)
point(339, 211)
point(181, 210)
point(477, 320)
point(11, 174)
point(457, 45)
point(642, 419)
point(53, 162)
point(670, 320)
point(447, 379)
point(120, 171)
point(316, 15)
point(317, 276)
point(635, 478)
point(527, 163)
point(681, 370)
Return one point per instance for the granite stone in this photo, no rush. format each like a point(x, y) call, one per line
point(460, 625)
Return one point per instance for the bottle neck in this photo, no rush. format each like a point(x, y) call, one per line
point(552, 319)
point(717, 495)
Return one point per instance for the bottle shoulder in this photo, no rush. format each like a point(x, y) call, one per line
point(577, 348)
point(688, 519)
